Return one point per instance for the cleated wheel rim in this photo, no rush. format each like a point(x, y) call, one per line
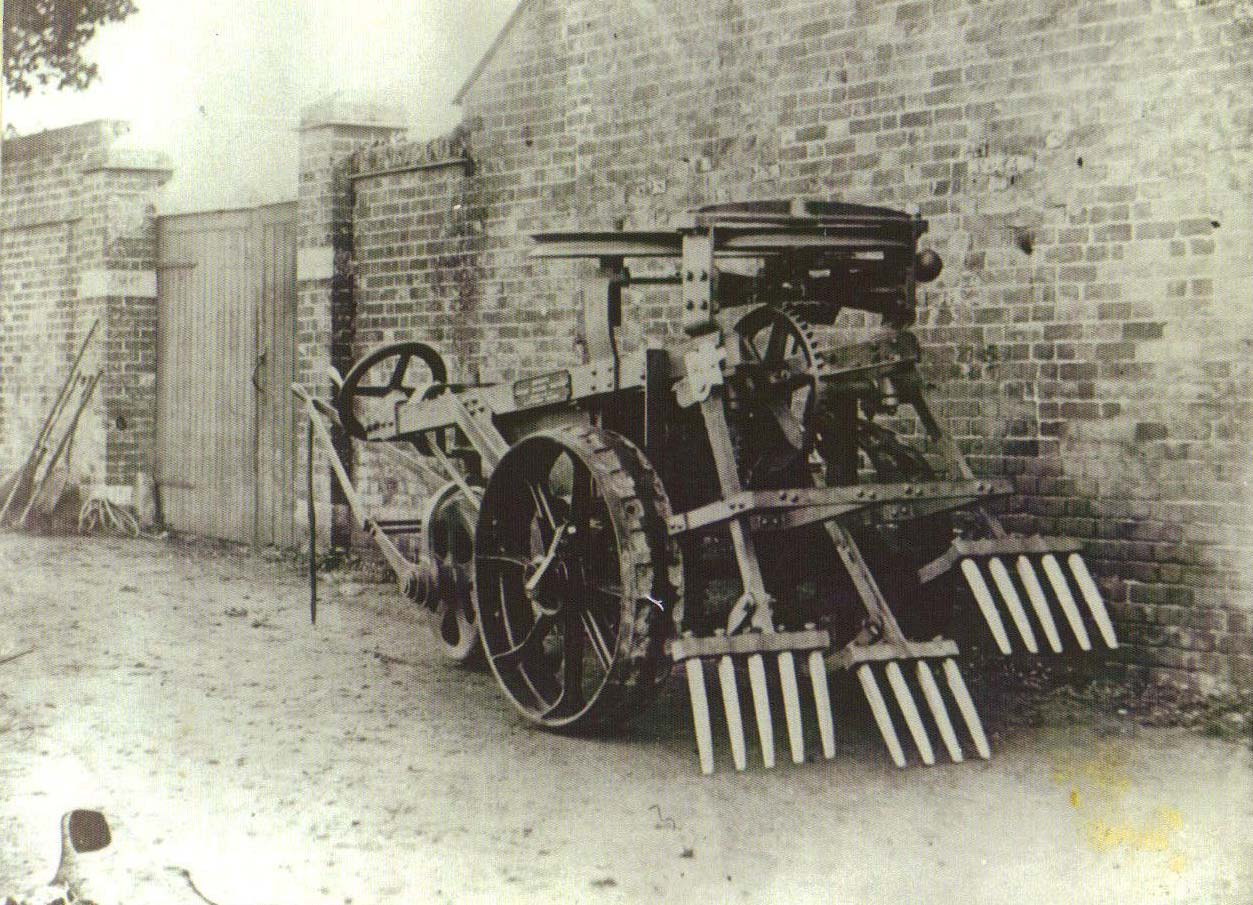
point(383, 379)
point(576, 579)
point(448, 538)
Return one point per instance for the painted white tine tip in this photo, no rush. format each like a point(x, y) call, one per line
point(935, 700)
point(822, 703)
point(966, 706)
point(700, 714)
point(913, 719)
point(1039, 603)
point(1013, 603)
point(792, 706)
point(731, 703)
point(879, 708)
point(761, 708)
point(1092, 596)
point(983, 597)
point(1057, 580)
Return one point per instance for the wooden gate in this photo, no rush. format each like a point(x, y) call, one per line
point(226, 337)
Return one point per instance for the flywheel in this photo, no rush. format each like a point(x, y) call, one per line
point(448, 540)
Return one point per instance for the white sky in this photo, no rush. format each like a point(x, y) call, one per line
point(219, 86)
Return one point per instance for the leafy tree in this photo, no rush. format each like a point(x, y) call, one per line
point(44, 40)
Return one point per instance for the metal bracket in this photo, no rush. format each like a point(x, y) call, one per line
point(703, 366)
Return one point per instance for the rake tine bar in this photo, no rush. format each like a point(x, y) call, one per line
point(1092, 596)
point(822, 702)
point(1000, 575)
point(1058, 580)
point(1039, 603)
point(882, 718)
point(966, 705)
point(700, 713)
point(935, 701)
point(731, 703)
point(761, 708)
point(987, 606)
point(913, 719)
point(792, 706)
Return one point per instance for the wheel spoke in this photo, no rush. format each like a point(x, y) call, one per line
point(543, 506)
point(776, 344)
point(597, 639)
point(532, 640)
point(504, 560)
point(398, 374)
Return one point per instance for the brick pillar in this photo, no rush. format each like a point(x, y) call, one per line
point(117, 277)
point(330, 133)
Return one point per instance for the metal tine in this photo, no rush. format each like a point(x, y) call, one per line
point(966, 705)
point(1013, 602)
point(1092, 596)
point(913, 719)
point(792, 706)
point(1039, 603)
point(1058, 580)
point(700, 713)
point(935, 700)
point(761, 708)
point(879, 708)
point(822, 703)
point(731, 703)
point(987, 606)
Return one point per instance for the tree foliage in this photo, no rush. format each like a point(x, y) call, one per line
point(44, 40)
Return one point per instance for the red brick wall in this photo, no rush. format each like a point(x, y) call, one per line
point(1086, 170)
point(77, 244)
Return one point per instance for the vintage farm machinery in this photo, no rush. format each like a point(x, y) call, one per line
point(587, 517)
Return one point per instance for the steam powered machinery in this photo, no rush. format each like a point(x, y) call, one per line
point(735, 504)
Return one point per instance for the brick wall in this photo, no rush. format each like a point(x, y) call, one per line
point(77, 244)
point(1086, 171)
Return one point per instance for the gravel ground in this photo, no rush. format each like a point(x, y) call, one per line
point(181, 689)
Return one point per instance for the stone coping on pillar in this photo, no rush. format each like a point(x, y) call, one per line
point(132, 159)
point(347, 114)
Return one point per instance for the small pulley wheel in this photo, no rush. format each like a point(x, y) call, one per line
point(383, 379)
point(448, 539)
point(576, 578)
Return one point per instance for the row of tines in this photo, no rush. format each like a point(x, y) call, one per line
point(1024, 580)
point(905, 685)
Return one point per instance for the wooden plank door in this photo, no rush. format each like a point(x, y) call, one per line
point(226, 339)
point(276, 357)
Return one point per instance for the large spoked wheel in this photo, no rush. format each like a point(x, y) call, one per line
point(448, 539)
point(576, 578)
point(381, 380)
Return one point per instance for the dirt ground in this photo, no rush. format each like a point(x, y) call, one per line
point(182, 690)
